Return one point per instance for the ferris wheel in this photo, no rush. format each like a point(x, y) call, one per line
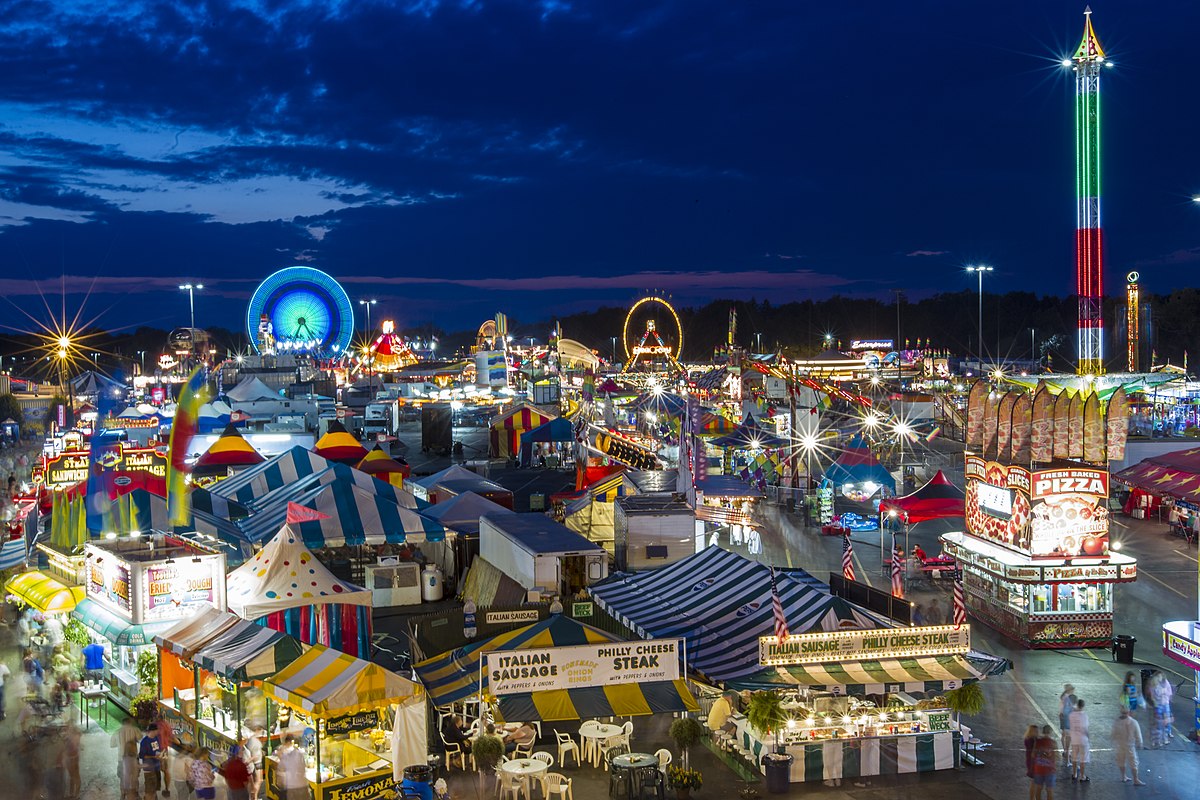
point(300, 310)
point(652, 336)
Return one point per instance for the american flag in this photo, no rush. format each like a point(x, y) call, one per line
point(847, 558)
point(897, 570)
point(960, 604)
point(781, 628)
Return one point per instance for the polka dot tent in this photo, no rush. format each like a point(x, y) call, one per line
point(304, 310)
point(271, 581)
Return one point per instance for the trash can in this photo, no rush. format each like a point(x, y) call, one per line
point(1122, 648)
point(778, 769)
point(418, 781)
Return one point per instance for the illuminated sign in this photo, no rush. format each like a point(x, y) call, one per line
point(996, 501)
point(69, 468)
point(108, 583)
point(1181, 641)
point(172, 588)
point(610, 664)
point(872, 344)
point(129, 423)
point(830, 646)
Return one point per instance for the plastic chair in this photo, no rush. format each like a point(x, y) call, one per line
point(510, 784)
point(542, 755)
point(589, 743)
point(628, 732)
point(567, 745)
point(651, 783)
point(454, 750)
point(558, 784)
point(664, 758)
point(525, 750)
point(611, 749)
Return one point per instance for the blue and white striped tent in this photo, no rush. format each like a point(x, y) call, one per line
point(149, 511)
point(266, 483)
point(12, 553)
point(720, 602)
point(356, 516)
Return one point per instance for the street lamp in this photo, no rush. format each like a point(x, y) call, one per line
point(191, 289)
point(367, 305)
point(758, 339)
point(614, 349)
point(979, 270)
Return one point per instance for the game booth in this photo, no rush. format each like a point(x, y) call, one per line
point(857, 474)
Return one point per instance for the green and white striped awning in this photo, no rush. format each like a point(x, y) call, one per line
point(248, 652)
point(924, 674)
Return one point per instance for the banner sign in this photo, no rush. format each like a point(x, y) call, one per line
point(872, 344)
point(69, 468)
point(868, 645)
point(503, 617)
point(129, 423)
point(1180, 642)
point(171, 588)
point(108, 583)
point(350, 723)
point(520, 671)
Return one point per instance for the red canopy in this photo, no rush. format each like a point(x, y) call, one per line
point(936, 499)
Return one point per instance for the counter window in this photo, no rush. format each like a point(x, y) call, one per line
point(1071, 598)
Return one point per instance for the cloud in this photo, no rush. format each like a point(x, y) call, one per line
point(1187, 255)
point(927, 253)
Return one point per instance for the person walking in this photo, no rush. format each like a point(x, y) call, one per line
point(1131, 693)
point(1159, 694)
point(5, 672)
point(1081, 745)
point(1031, 736)
point(150, 759)
point(200, 772)
point(933, 614)
point(72, 742)
point(292, 779)
point(166, 737)
point(1045, 762)
point(252, 747)
point(1126, 741)
point(236, 775)
point(178, 771)
point(127, 769)
point(1066, 704)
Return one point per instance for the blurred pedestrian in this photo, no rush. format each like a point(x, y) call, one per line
point(933, 614)
point(178, 771)
point(166, 736)
point(150, 760)
point(918, 614)
point(1126, 741)
point(201, 775)
point(5, 672)
point(1066, 704)
point(1045, 763)
point(1081, 745)
point(128, 770)
point(1158, 694)
point(72, 740)
point(1131, 693)
point(1031, 736)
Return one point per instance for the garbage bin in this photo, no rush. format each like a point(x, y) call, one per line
point(1122, 648)
point(778, 769)
point(418, 781)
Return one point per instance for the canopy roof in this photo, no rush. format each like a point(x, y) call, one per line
point(190, 634)
point(326, 683)
point(339, 446)
point(247, 652)
point(229, 450)
point(521, 417)
point(462, 512)
point(92, 382)
point(556, 430)
point(44, 593)
point(590, 702)
point(251, 389)
point(857, 464)
point(116, 630)
point(937, 499)
point(1175, 474)
point(451, 473)
point(721, 602)
point(211, 516)
point(284, 574)
point(923, 674)
point(379, 464)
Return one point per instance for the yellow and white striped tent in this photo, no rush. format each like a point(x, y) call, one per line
point(327, 683)
point(44, 593)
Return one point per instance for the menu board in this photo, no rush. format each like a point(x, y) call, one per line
point(176, 586)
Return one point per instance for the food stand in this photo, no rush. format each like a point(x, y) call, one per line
point(1181, 641)
point(1035, 555)
point(138, 587)
point(342, 711)
point(853, 710)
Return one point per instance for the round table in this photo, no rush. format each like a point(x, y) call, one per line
point(527, 769)
point(598, 734)
point(630, 763)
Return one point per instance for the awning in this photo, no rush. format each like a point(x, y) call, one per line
point(627, 700)
point(326, 683)
point(189, 635)
point(248, 652)
point(926, 674)
point(44, 593)
point(119, 631)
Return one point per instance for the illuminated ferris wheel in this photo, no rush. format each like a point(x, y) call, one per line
point(300, 310)
point(652, 336)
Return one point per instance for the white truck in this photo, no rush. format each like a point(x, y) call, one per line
point(381, 416)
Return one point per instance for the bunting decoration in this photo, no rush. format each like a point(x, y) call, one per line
point(297, 513)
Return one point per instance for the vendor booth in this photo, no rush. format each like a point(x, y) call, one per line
point(379, 464)
point(1035, 555)
point(857, 474)
point(340, 446)
point(550, 444)
point(285, 588)
point(345, 714)
point(44, 593)
point(937, 499)
point(211, 669)
point(506, 429)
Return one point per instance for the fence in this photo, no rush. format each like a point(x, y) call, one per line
point(877, 600)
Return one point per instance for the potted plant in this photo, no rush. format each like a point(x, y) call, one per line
point(487, 750)
point(683, 780)
point(686, 732)
point(967, 699)
point(766, 715)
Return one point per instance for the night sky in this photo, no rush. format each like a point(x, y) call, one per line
point(454, 159)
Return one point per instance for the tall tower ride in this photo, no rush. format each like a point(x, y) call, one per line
point(1089, 263)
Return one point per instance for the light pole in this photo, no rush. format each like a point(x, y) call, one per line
point(979, 270)
point(367, 305)
point(614, 349)
point(191, 289)
point(758, 339)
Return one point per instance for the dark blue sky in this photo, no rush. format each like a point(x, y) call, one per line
point(453, 159)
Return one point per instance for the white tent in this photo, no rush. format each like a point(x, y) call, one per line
point(251, 389)
point(284, 574)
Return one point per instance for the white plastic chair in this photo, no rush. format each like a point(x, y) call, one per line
point(590, 743)
point(664, 758)
point(454, 750)
point(557, 784)
point(567, 745)
point(542, 755)
point(510, 784)
point(525, 750)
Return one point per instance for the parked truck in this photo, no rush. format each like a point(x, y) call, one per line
point(381, 416)
point(437, 429)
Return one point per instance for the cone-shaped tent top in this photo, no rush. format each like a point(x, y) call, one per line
point(229, 450)
point(857, 464)
point(936, 499)
point(284, 574)
point(381, 465)
point(339, 446)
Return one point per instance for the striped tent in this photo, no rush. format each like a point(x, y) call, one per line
point(379, 464)
point(325, 683)
point(339, 446)
point(924, 674)
point(245, 651)
point(454, 676)
point(141, 510)
point(355, 516)
point(506, 429)
point(720, 602)
point(12, 553)
point(190, 634)
point(44, 593)
point(229, 451)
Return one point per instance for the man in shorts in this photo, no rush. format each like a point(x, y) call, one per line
point(150, 760)
point(1045, 763)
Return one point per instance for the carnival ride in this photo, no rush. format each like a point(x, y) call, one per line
point(390, 352)
point(300, 310)
point(650, 349)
